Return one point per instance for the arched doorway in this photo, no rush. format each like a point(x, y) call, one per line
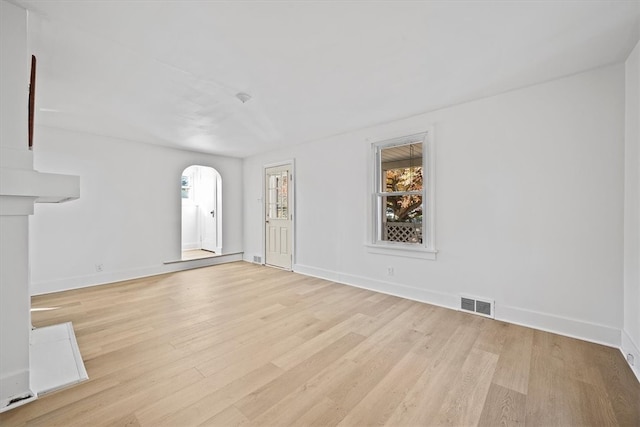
point(201, 198)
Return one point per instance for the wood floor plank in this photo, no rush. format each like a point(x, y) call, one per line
point(345, 382)
point(378, 405)
point(301, 403)
point(503, 407)
point(225, 343)
point(310, 347)
point(106, 407)
point(261, 400)
point(618, 388)
point(315, 416)
point(465, 400)
point(251, 370)
point(251, 353)
point(557, 393)
point(242, 344)
point(194, 411)
point(491, 335)
point(349, 390)
point(512, 370)
point(424, 401)
point(230, 417)
point(67, 397)
point(128, 420)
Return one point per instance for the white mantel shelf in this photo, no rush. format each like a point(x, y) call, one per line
point(21, 186)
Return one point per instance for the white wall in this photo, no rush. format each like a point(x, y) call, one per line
point(129, 215)
point(631, 330)
point(190, 230)
point(529, 189)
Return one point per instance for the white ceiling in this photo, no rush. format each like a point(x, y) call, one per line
point(166, 72)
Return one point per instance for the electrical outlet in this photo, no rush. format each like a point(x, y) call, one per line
point(390, 271)
point(630, 359)
point(99, 267)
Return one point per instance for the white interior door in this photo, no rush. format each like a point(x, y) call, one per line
point(278, 216)
point(208, 209)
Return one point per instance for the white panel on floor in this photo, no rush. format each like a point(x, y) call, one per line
point(55, 358)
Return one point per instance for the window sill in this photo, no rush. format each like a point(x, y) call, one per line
point(402, 251)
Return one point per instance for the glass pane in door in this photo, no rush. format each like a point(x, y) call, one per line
point(277, 195)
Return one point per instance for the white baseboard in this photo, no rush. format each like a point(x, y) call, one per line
point(15, 387)
point(574, 328)
point(190, 246)
point(561, 325)
point(630, 347)
point(65, 284)
point(403, 291)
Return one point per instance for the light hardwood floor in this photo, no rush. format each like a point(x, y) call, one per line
point(240, 344)
point(197, 254)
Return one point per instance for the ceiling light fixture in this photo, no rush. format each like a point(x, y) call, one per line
point(243, 97)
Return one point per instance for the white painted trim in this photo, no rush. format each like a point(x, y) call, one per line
point(628, 346)
point(218, 208)
point(250, 260)
point(17, 378)
point(292, 207)
point(232, 255)
point(562, 325)
point(58, 285)
point(430, 152)
point(587, 331)
point(395, 289)
point(403, 251)
point(428, 248)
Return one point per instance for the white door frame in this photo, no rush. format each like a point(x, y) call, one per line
point(217, 202)
point(208, 189)
point(292, 207)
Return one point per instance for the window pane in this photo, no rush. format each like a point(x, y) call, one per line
point(401, 219)
point(186, 186)
point(401, 168)
point(282, 195)
point(272, 197)
point(403, 179)
point(277, 196)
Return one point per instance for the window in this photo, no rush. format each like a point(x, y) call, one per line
point(186, 186)
point(277, 195)
point(402, 199)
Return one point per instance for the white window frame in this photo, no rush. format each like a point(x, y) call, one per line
point(426, 249)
